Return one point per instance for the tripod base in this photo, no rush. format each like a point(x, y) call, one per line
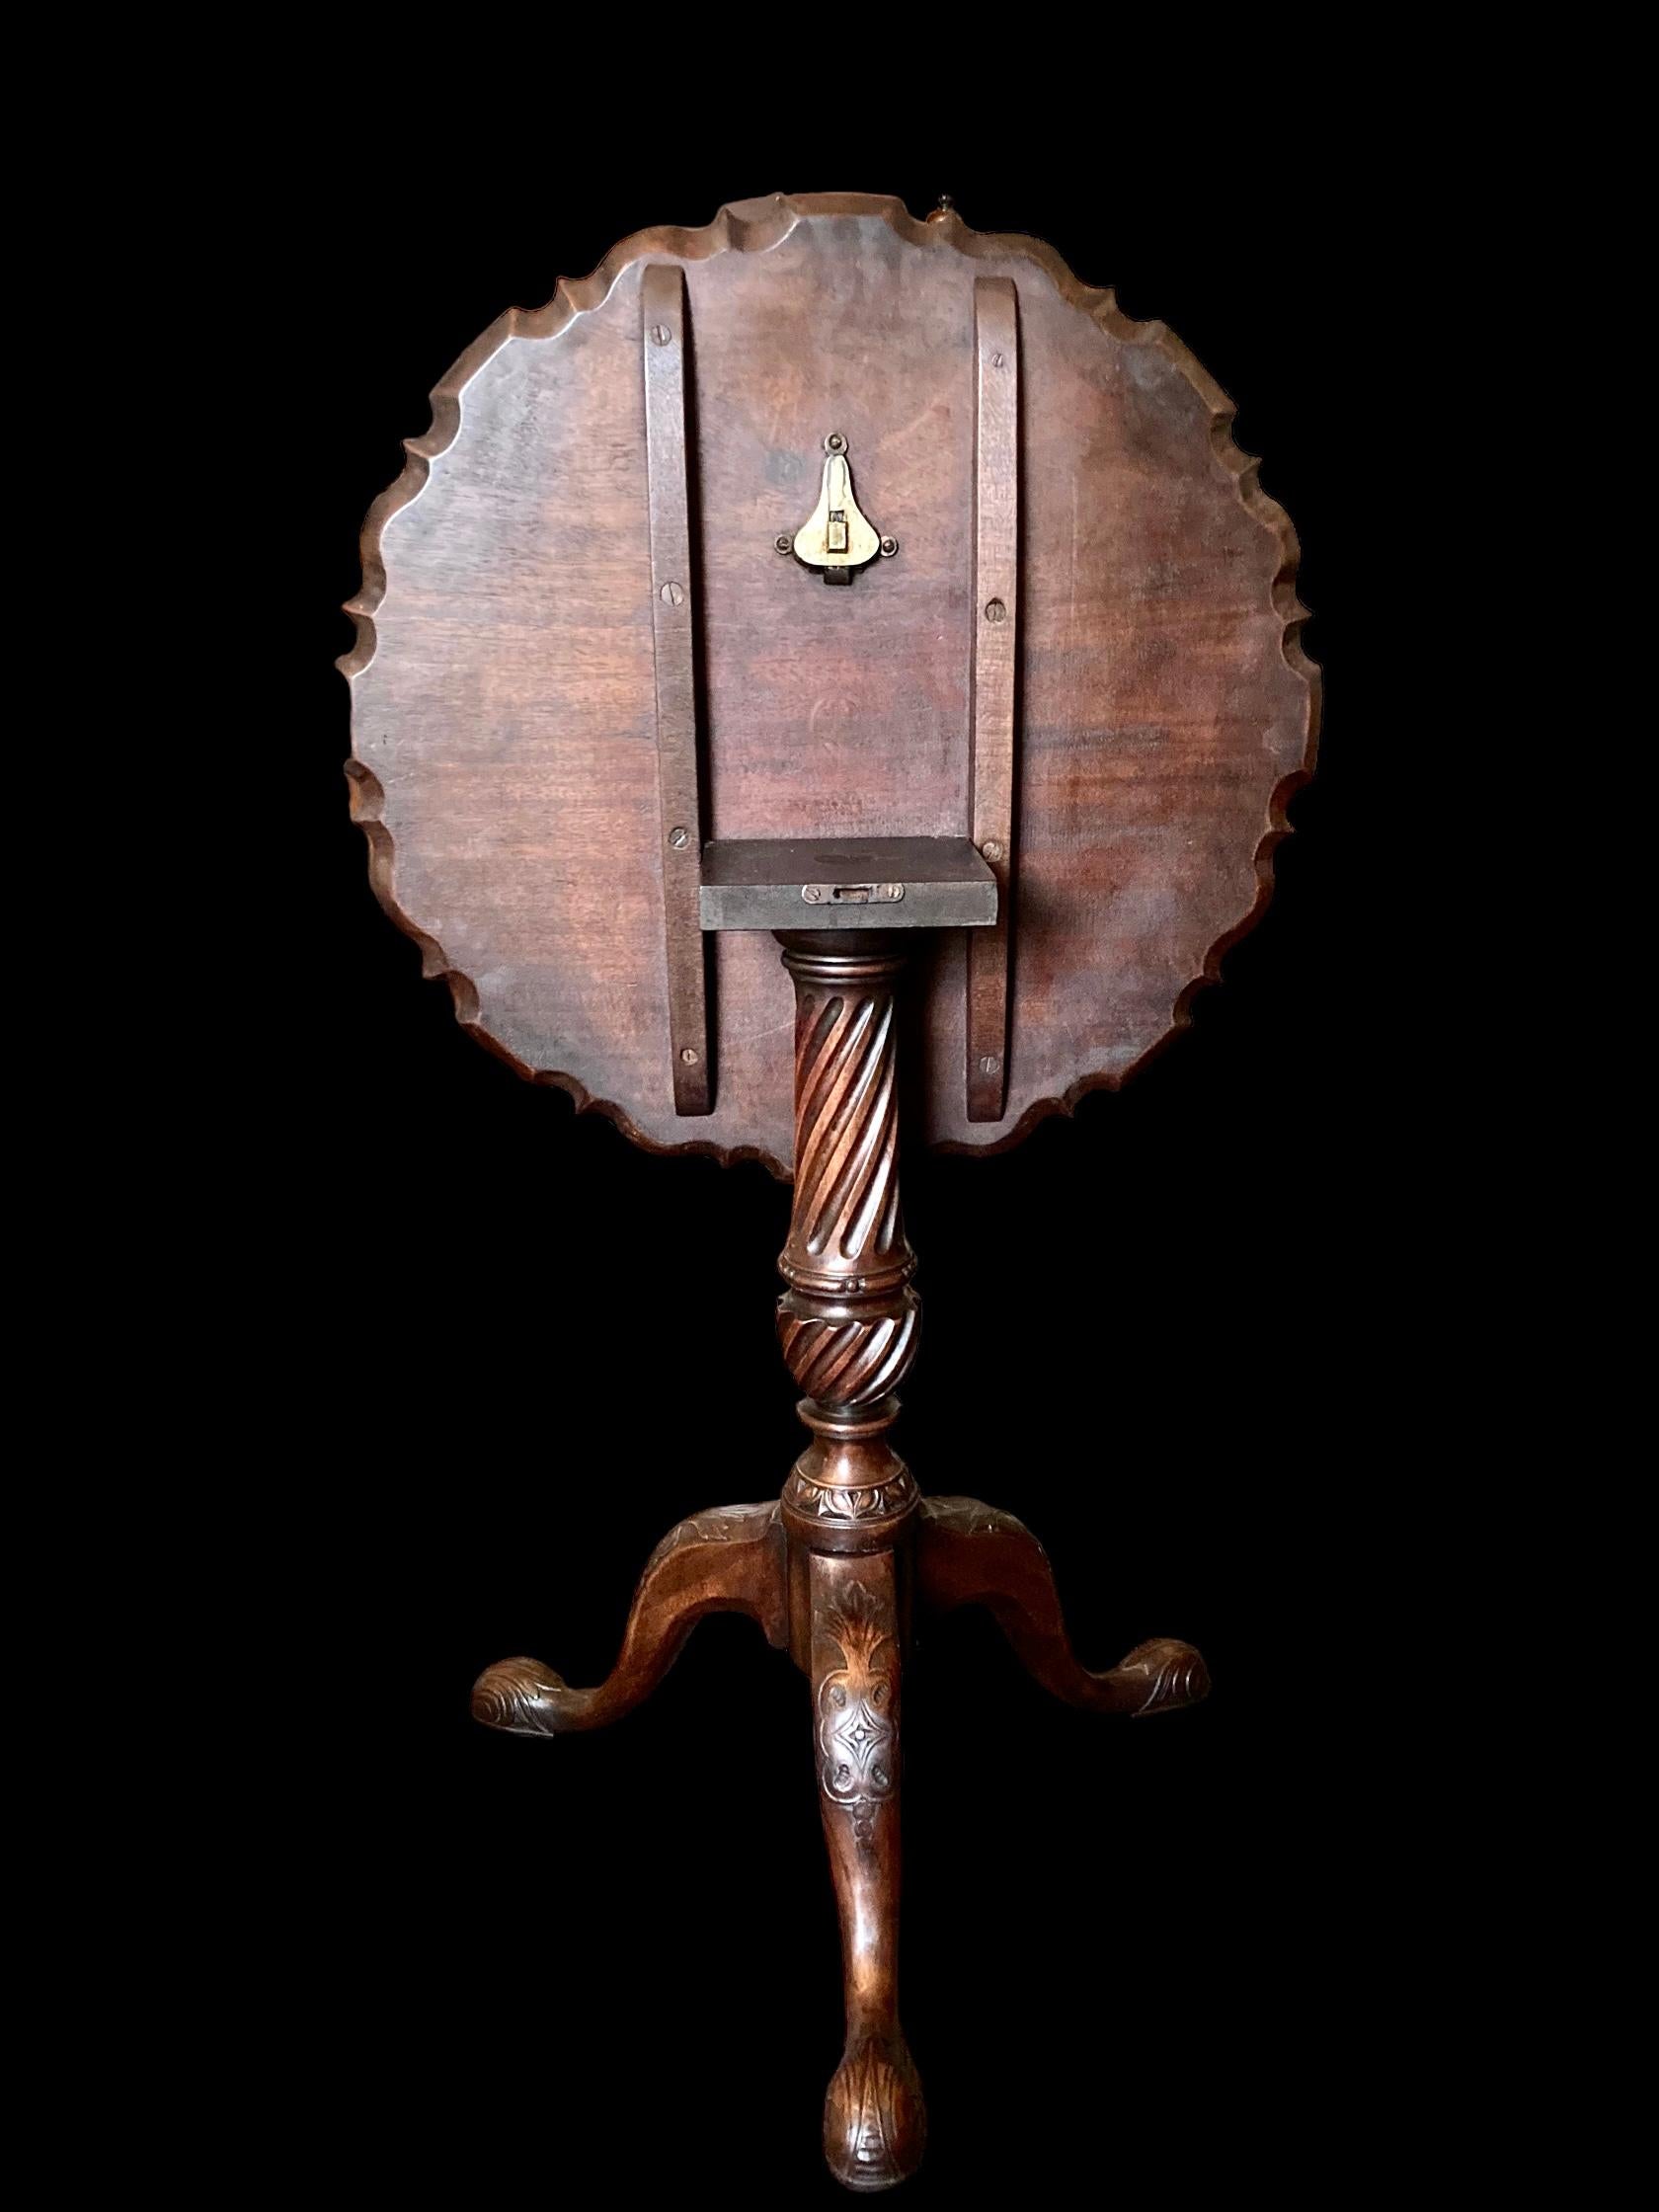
point(841, 1606)
point(835, 1568)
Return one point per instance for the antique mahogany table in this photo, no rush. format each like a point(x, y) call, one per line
point(870, 588)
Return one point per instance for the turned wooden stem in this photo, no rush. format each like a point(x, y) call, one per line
point(849, 1319)
point(847, 1324)
point(831, 1567)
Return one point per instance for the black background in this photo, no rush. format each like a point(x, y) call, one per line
point(504, 1349)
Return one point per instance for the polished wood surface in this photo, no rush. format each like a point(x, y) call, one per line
point(835, 1569)
point(875, 2122)
point(596, 652)
point(994, 620)
point(673, 655)
point(505, 716)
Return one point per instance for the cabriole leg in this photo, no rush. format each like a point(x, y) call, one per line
point(848, 1326)
point(730, 1560)
point(874, 2120)
point(970, 1554)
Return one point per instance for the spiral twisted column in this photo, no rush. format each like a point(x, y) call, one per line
point(847, 1324)
point(848, 1321)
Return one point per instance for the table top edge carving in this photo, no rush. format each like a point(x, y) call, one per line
point(757, 224)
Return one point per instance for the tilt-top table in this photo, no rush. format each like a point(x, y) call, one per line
point(1027, 760)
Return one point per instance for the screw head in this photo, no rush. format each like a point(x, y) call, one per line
point(673, 594)
point(989, 1064)
point(812, 893)
point(660, 333)
point(678, 838)
point(889, 546)
point(995, 611)
point(783, 543)
point(688, 1055)
point(834, 442)
point(996, 360)
point(993, 848)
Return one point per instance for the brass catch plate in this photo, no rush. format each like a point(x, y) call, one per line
point(838, 537)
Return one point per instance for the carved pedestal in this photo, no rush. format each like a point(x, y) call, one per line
point(831, 1570)
point(611, 734)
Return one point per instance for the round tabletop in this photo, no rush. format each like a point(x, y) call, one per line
point(1065, 640)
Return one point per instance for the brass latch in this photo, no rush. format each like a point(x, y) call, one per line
point(852, 894)
point(838, 537)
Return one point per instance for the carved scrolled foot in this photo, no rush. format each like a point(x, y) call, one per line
point(521, 1696)
point(730, 1560)
point(1174, 1672)
point(875, 2123)
point(969, 1553)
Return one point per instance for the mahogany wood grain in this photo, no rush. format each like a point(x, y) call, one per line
point(993, 618)
point(576, 640)
point(729, 1560)
point(969, 1553)
point(832, 1569)
point(875, 2123)
point(673, 619)
point(504, 761)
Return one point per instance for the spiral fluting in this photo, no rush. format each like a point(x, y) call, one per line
point(848, 1323)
